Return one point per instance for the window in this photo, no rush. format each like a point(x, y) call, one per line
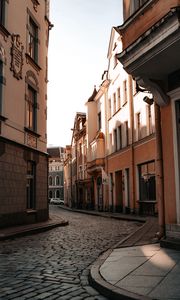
point(99, 120)
point(30, 184)
point(80, 149)
point(147, 185)
point(138, 125)
point(120, 137)
point(33, 40)
point(118, 98)
point(149, 117)
point(57, 181)
point(80, 172)
point(2, 12)
point(115, 139)
point(127, 133)
point(124, 92)
point(50, 180)
point(57, 194)
point(31, 109)
point(115, 61)
point(50, 194)
point(109, 108)
point(114, 102)
point(110, 142)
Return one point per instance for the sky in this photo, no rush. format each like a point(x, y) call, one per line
point(77, 56)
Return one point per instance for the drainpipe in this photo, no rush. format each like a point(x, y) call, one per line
point(159, 172)
point(131, 107)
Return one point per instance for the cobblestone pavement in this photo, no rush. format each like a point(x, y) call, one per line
point(55, 264)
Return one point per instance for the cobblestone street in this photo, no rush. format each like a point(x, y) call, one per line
point(55, 264)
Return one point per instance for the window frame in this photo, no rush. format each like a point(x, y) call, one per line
point(33, 39)
point(31, 111)
point(99, 121)
point(119, 137)
point(118, 98)
point(109, 108)
point(114, 102)
point(124, 92)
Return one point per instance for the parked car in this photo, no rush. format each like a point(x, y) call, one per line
point(57, 201)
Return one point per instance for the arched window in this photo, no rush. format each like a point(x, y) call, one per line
point(57, 194)
point(50, 194)
point(50, 180)
point(32, 90)
point(57, 180)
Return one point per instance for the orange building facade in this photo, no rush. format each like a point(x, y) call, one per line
point(151, 47)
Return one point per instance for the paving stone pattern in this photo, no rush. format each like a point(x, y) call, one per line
point(55, 264)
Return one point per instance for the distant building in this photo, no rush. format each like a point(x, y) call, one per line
point(56, 173)
point(67, 177)
point(24, 35)
point(79, 162)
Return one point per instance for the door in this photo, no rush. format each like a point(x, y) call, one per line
point(119, 191)
point(99, 193)
point(30, 185)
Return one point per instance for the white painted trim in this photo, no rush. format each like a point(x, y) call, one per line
point(175, 95)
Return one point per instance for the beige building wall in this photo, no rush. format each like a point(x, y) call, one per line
point(23, 157)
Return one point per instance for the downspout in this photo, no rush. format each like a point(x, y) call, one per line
point(131, 107)
point(159, 172)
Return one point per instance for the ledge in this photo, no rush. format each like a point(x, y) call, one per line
point(2, 118)
point(4, 31)
point(32, 132)
point(32, 62)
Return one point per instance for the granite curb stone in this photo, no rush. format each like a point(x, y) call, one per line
point(22, 230)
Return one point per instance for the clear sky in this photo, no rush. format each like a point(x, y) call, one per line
point(77, 59)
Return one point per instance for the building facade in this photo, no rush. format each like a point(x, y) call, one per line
point(24, 34)
point(96, 141)
point(67, 177)
point(130, 155)
point(121, 141)
point(151, 44)
point(56, 173)
point(80, 181)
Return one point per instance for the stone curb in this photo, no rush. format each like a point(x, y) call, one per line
point(96, 213)
point(31, 229)
point(104, 287)
point(107, 289)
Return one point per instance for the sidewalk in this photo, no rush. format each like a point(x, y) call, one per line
point(17, 231)
point(136, 269)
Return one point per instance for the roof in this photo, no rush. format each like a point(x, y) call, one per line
point(55, 151)
point(93, 95)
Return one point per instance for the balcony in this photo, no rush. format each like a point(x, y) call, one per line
point(96, 154)
point(151, 46)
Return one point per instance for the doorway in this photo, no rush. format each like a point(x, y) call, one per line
point(30, 185)
point(119, 191)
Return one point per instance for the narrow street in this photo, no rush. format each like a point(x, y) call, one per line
point(55, 264)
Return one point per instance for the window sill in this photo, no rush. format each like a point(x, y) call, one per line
point(32, 62)
point(31, 210)
point(124, 104)
point(2, 118)
point(116, 112)
point(4, 31)
point(32, 132)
